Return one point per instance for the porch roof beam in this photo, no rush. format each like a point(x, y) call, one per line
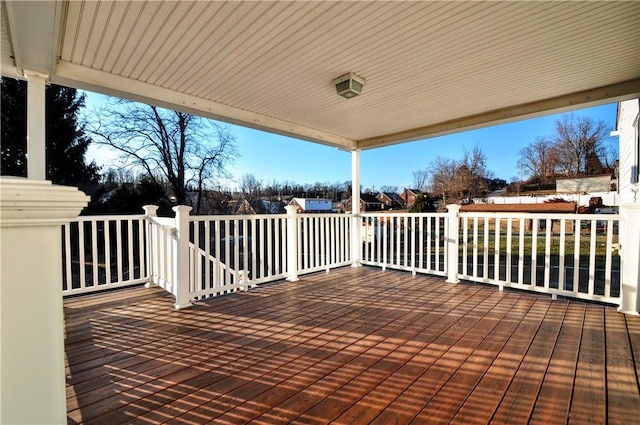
point(72, 75)
point(599, 96)
point(34, 28)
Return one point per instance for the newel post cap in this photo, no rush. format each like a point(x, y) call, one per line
point(28, 202)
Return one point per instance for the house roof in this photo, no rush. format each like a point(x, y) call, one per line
point(431, 68)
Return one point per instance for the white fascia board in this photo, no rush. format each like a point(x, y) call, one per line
point(73, 75)
point(565, 103)
point(34, 29)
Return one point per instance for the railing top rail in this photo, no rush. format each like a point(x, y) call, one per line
point(163, 221)
point(234, 217)
point(401, 214)
point(552, 216)
point(109, 217)
point(323, 215)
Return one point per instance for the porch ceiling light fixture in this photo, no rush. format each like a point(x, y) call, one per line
point(349, 85)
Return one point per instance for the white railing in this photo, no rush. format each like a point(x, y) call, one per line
point(323, 242)
point(534, 252)
point(570, 255)
point(103, 252)
point(195, 257)
point(230, 253)
point(161, 252)
point(405, 241)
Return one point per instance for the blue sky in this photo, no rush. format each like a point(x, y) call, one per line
point(271, 157)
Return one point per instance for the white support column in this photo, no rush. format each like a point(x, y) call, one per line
point(150, 211)
point(292, 243)
point(181, 257)
point(630, 259)
point(453, 229)
point(36, 125)
point(33, 388)
point(356, 225)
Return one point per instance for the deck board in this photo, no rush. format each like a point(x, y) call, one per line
point(353, 346)
point(589, 402)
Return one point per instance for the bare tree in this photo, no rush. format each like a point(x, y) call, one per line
point(389, 189)
point(183, 150)
point(460, 180)
point(420, 180)
point(539, 159)
point(580, 144)
point(250, 186)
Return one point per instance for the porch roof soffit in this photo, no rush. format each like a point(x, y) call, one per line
point(430, 68)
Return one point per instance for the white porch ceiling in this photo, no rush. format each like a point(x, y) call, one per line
point(431, 67)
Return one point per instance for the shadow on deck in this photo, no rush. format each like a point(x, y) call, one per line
point(353, 346)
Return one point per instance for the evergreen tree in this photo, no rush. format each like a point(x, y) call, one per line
point(13, 142)
point(66, 142)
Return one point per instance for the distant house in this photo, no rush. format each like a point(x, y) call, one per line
point(245, 208)
point(368, 202)
point(409, 196)
point(260, 206)
point(312, 205)
point(390, 200)
point(629, 139)
point(586, 184)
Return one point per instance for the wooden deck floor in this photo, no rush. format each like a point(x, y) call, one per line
point(355, 346)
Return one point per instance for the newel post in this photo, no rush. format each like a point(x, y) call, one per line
point(453, 228)
point(630, 259)
point(32, 388)
point(181, 258)
point(149, 212)
point(292, 243)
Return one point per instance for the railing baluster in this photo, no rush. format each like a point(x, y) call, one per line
point(592, 257)
point(521, 231)
point(197, 259)
point(227, 253)
point(208, 263)
point(119, 258)
point(508, 249)
point(270, 246)
point(465, 245)
point(130, 248)
point(576, 257)
point(534, 252)
point(81, 256)
point(405, 240)
point(440, 244)
point(217, 252)
point(547, 252)
point(485, 249)
point(475, 247)
point(67, 257)
point(94, 253)
point(413, 244)
point(246, 234)
point(263, 242)
point(561, 253)
point(237, 243)
point(428, 241)
point(321, 242)
point(496, 252)
point(141, 249)
point(608, 259)
point(420, 242)
point(398, 247)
